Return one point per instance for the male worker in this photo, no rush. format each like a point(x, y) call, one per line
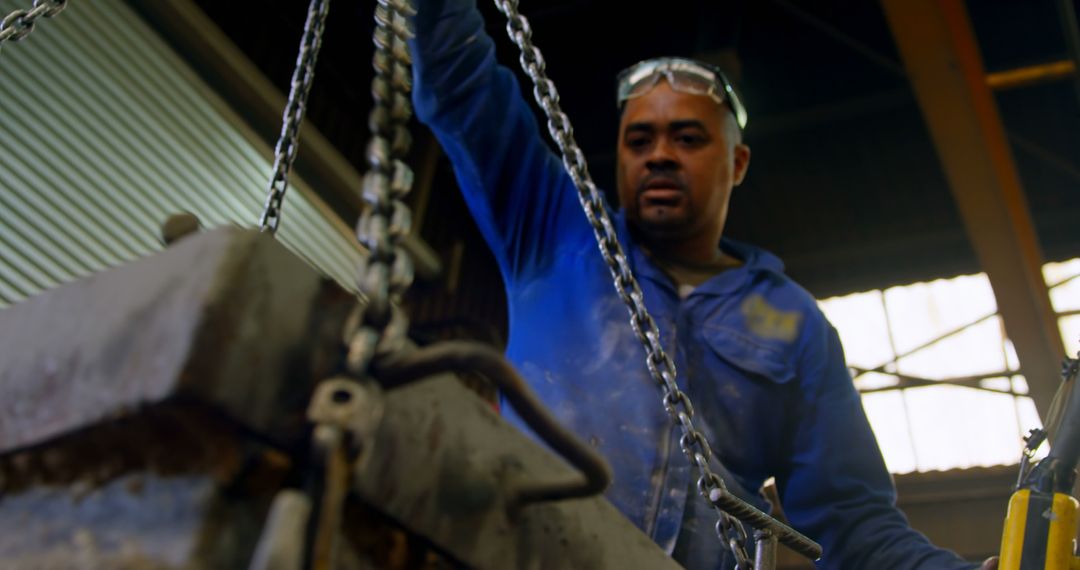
point(763, 367)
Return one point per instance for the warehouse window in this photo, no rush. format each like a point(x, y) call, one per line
point(938, 377)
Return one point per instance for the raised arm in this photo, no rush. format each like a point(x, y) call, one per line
point(515, 187)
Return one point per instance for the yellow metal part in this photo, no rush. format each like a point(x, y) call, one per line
point(1012, 537)
point(1060, 545)
point(1059, 542)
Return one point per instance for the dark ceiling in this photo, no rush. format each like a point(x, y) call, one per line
point(844, 185)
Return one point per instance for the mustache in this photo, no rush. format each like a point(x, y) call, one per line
point(661, 179)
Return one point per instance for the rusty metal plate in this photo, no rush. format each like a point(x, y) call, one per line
point(443, 465)
point(173, 486)
point(175, 366)
point(140, 521)
point(228, 317)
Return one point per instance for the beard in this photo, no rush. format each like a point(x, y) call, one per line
point(663, 213)
point(662, 222)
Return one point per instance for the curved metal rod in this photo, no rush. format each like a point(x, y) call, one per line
point(398, 370)
point(749, 514)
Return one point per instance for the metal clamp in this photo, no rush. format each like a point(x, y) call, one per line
point(595, 475)
point(346, 414)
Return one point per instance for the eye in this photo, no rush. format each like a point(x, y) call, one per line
point(638, 142)
point(690, 139)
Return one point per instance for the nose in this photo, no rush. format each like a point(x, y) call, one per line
point(662, 156)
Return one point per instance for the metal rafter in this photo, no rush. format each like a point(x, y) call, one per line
point(942, 59)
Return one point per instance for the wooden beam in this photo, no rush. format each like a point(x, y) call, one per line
point(942, 59)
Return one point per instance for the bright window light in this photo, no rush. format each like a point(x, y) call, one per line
point(937, 373)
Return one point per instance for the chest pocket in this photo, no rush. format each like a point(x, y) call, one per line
point(768, 360)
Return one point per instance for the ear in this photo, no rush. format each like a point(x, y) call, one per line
point(741, 155)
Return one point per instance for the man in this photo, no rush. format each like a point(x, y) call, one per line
point(761, 364)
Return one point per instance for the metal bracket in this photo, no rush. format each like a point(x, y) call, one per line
point(346, 414)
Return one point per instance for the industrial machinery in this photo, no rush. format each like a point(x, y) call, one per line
point(1041, 523)
point(223, 405)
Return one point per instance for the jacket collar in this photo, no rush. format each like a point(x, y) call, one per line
point(755, 260)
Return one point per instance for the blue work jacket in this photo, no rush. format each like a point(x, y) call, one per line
point(762, 365)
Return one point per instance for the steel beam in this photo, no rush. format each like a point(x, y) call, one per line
point(942, 59)
point(1031, 75)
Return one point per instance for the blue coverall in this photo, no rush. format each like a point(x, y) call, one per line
point(762, 365)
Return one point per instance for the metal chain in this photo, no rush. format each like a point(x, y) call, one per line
point(299, 87)
point(387, 271)
point(676, 403)
point(19, 23)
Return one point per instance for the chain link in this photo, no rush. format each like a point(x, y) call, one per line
point(19, 23)
point(293, 116)
point(387, 271)
point(676, 403)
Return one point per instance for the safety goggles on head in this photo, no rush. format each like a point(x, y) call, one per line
point(684, 76)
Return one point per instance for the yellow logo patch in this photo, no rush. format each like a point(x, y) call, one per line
point(766, 321)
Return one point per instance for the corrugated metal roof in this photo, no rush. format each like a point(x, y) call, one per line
point(105, 132)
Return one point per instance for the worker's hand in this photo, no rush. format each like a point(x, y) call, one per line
point(990, 564)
